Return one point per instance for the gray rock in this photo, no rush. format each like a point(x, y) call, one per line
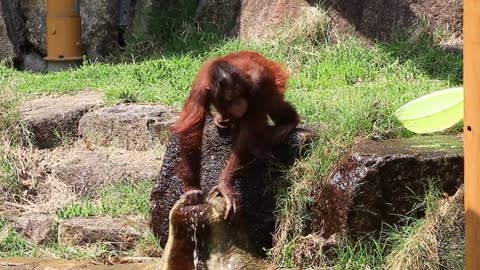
point(51, 117)
point(255, 184)
point(11, 26)
point(201, 239)
point(35, 13)
point(130, 126)
point(380, 181)
point(87, 169)
point(36, 227)
point(34, 62)
point(7, 50)
point(87, 230)
point(99, 29)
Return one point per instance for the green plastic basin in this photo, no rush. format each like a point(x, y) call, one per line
point(434, 112)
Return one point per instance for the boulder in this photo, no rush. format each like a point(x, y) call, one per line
point(130, 126)
point(36, 227)
point(35, 14)
point(201, 239)
point(255, 184)
point(85, 170)
point(99, 28)
point(87, 230)
point(381, 181)
point(52, 119)
point(33, 62)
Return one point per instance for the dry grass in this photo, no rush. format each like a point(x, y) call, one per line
point(11, 131)
point(419, 249)
point(418, 245)
point(37, 190)
point(21, 167)
point(54, 194)
point(310, 27)
point(296, 196)
point(310, 250)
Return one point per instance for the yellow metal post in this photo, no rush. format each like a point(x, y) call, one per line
point(63, 34)
point(471, 78)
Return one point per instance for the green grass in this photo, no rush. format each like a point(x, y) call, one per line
point(8, 181)
point(118, 200)
point(93, 252)
point(11, 243)
point(408, 246)
point(369, 253)
point(414, 246)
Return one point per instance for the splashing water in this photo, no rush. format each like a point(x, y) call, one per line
point(194, 224)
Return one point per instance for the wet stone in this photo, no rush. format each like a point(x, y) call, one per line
point(199, 238)
point(255, 184)
point(381, 181)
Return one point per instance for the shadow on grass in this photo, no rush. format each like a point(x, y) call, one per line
point(172, 31)
point(382, 21)
point(437, 62)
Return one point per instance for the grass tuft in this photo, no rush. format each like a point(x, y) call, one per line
point(127, 198)
point(415, 245)
point(11, 243)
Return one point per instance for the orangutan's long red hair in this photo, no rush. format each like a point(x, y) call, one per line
point(189, 126)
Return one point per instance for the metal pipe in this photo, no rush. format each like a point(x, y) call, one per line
point(64, 34)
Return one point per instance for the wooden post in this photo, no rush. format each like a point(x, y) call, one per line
point(471, 78)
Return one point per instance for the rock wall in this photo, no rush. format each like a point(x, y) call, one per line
point(9, 30)
point(380, 19)
point(35, 12)
point(99, 26)
point(106, 22)
point(372, 19)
